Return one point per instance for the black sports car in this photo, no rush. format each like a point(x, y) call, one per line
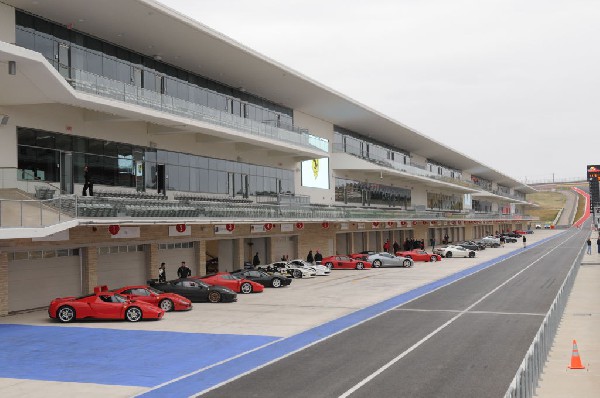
point(471, 245)
point(196, 290)
point(265, 279)
point(509, 239)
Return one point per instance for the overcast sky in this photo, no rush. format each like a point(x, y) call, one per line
point(514, 84)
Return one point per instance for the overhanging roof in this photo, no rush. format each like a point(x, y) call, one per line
point(184, 42)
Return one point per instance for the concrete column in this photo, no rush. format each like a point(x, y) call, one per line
point(351, 247)
point(90, 264)
point(238, 253)
point(152, 263)
point(3, 283)
point(200, 257)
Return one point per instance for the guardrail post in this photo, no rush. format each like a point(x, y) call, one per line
point(41, 215)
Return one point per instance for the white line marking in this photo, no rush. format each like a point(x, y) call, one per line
point(442, 327)
point(471, 312)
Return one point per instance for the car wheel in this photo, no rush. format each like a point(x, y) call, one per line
point(246, 288)
point(433, 259)
point(297, 274)
point(408, 257)
point(66, 314)
point(471, 254)
point(166, 305)
point(377, 263)
point(449, 255)
point(329, 265)
point(133, 314)
point(276, 282)
point(214, 297)
point(360, 266)
point(407, 263)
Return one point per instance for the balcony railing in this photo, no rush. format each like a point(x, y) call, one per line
point(91, 83)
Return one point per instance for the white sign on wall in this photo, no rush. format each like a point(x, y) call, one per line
point(287, 227)
point(127, 232)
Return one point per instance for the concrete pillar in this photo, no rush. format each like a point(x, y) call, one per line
point(151, 260)
point(200, 257)
point(3, 283)
point(90, 266)
point(350, 244)
point(238, 253)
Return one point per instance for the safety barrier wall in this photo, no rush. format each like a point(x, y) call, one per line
point(527, 377)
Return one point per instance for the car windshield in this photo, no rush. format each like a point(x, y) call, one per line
point(155, 291)
point(117, 298)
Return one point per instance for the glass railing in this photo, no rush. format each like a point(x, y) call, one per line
point(99, 85)
point(32, 213)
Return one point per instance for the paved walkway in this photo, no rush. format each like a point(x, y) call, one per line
point(580, 322)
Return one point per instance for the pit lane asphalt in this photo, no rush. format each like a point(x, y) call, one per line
point(466, 339)
point(286, 317)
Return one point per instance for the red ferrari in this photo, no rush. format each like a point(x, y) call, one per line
point(102, 304)
point(345, 262)
point(238, 285)
point(420, 255)
point(166, 301)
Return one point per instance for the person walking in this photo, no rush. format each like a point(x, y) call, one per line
point(162, 273)
point(318, 257)
point(310, 258)
point(255, 260)
point(432, 242)
point(88, 184)
point(183, 271)
point(502, 240)
point(589, 246)
point(524, 241)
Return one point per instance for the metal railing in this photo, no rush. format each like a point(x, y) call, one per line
point(32, 213)
point(527, 377)
point(91, 83)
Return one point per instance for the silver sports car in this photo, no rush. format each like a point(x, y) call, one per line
point(384, 259)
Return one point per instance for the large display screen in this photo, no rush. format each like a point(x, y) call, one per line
point(315, 173)
point(593, 176)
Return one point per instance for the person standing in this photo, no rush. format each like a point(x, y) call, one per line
point(396, 247)
point(432, 242)
point(183, 271)
point(386, 246)
point(524, 241)
point(502, 240)
point(598, 243)
point(310, 258)
point(589, 246)
point(162, 273)
point(255, 260)
point(318, 257)
point(87, 184)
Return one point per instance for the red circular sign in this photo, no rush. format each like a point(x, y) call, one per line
point(325, 225)
point(403, 223)
point(114, 229)
point(375, 224)
point(268, 226)
point(414, 223)
point(299, 225)
point(390, 223)
point(230, 227)
point(180, 227)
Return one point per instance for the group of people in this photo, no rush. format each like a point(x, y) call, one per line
point(182, 272)
point(317, 258)
point(589, 245)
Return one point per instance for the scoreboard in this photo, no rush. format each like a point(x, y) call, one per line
point(593, 177)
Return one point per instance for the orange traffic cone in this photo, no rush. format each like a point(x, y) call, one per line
point(575, 358)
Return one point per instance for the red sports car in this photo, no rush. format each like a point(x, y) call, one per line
point(102, 304)
point(232, 282)
point(345, 262)
point(166, 301)
point(420, 255)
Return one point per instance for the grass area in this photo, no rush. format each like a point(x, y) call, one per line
point(550, 204)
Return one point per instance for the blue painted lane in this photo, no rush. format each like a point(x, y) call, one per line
point(209, 378)
point(114, 357)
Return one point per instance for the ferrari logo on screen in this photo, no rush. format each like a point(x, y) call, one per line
point(315, 167)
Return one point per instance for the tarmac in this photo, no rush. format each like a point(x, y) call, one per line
point(580, 322)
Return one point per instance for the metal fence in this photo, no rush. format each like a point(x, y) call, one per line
point(527, 377)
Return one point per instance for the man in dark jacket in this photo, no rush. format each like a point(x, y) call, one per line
point(183, 271)
point(87, 178)
point(310, 258)
point(318, 257)
point(256, 260)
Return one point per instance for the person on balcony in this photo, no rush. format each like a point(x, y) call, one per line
point(88, 184)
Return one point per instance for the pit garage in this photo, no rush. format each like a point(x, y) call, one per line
point(121, 265)
point(47, 273)
point(172, 254)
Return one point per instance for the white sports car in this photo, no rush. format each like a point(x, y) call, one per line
point(454, 251)
point(288, 269)
point(320, 269)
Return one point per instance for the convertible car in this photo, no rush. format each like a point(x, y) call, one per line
point(345, 262)
point(471, 245)
point(195, 290)
point(102, 304)
point(265, 279)
point(454, 251)
point(166, 301)
point(225, 279)
point(385, 259)
point(420, 255)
